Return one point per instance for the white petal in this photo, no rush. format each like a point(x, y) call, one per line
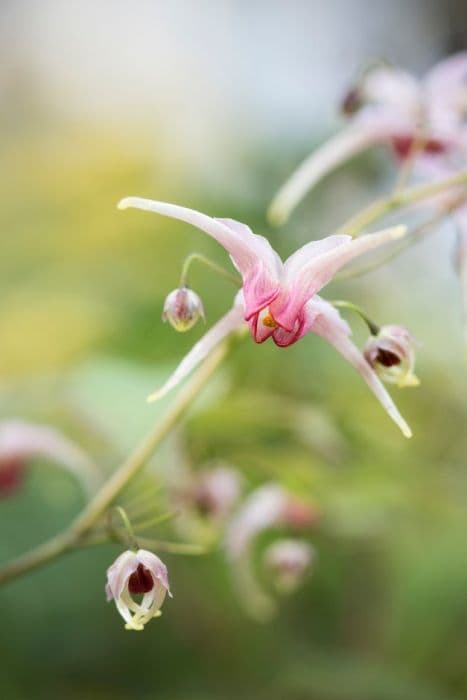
point(345, 145)
point(329, 325)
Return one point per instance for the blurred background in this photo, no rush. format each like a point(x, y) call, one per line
point(211, 105)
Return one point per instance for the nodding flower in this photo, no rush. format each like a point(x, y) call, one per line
point(215, 492)
point(391, 353)
point(426, 118)
point(182, 309)
point(288, 562)
point(137, 573)
point(21, 442)
point(279, 300)
point(269, 506)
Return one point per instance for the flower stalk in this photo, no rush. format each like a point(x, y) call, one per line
point(76, 534)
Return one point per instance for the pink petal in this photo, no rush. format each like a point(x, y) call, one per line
point(156, 566)
point(227, 324)
point(329, 325)
point(119, 573)
point(252, 255)
point(345, 145)
point(313, 266)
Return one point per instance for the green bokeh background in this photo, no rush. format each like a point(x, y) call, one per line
point(384, 615)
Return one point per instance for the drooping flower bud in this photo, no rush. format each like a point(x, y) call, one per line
point(352, 101)
point(182, 309)
point(391, 353)
point(288, 562)
point(217, 491)
point(134, 573)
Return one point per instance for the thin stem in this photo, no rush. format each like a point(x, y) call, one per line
point(373, 327)
point(85, 521)
point(132, 541)
point(398, 200)
point(172, 547)
point(209, 263)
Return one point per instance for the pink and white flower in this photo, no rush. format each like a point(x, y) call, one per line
point(278, 299)
point(393, 108)
point(287, 562)
point(391, 353)
point(269, 506)
point(182, 309)
point(137, 573)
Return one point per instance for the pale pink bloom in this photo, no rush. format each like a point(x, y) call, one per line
point(279, 300)
point(391, 107)
point(287, 562)
point(21, 442)
point(137, 573)
point(215, 492)
point(267, 507)
point(391, 353)
point(182, 309)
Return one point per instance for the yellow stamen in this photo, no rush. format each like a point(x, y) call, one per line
point(269, 322)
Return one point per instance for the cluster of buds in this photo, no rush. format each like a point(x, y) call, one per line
point(391, 353)
point(137, 573)
point(182, 309)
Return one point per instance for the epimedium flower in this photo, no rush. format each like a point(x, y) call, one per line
point(216, 492)
point(21, 442)
point(183, 308)
point(278, 299)
point(423, 118)
point(288, 562)
point(391, 353)
point(269, 506)
point(137, 573)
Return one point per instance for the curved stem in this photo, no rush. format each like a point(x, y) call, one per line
point(111, 489)
point(399, 200)
point(209, 263)
point(372, 326)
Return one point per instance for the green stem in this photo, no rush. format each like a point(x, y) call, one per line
point(85, 521)
point(399, 200)
point(209, 263)
point(373, 327)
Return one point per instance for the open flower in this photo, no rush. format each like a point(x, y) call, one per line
point(183, 308)
point(391, 353)
point(21, 442)
point(137, 573)
point(279, 300)
point(391, 107)
point(269, 506)
point(287, 562)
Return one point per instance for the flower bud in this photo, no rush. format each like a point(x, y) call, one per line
point(217, 491)
point(391, 353)
point(352, 101)
point(182, 309)
point(288, 562)
point(134, 573)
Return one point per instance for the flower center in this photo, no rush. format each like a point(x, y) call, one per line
point(387, 358)
point(140, 581)
point(269, 322)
